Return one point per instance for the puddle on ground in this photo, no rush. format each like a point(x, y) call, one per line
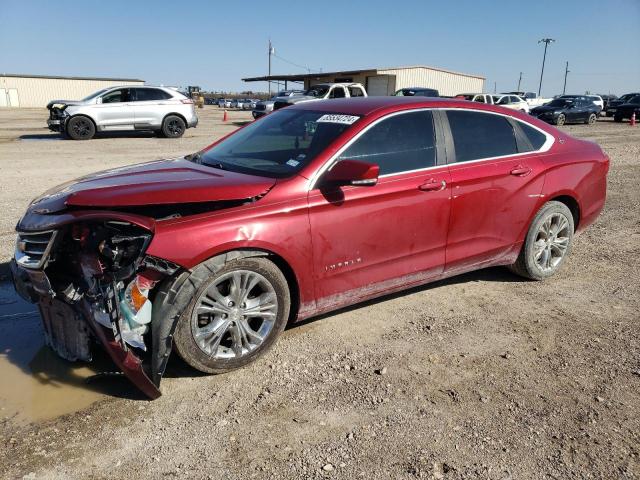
point(36, 384)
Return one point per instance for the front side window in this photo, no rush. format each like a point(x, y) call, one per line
point(337, 92)
point(116, 96)
point(478, 135)
point(279, 145)
point(397, 144)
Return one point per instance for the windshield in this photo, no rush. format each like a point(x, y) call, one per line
point(559, 102)
point(317, 91)
point(279, 145)
point(94, 95)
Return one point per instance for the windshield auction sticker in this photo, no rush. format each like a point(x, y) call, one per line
point(335, 118)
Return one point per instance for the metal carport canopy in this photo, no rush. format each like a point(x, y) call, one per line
point(301, 77)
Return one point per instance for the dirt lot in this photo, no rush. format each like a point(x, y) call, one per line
point(480, 376)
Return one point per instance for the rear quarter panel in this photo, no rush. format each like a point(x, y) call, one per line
point(578, 169)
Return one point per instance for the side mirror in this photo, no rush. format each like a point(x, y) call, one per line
point(352, 172)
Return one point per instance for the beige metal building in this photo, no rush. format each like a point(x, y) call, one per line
point(38, 90)
point(385, 81)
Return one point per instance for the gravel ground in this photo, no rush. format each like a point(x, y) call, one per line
point(480, 376)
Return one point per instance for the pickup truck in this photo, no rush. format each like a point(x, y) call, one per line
point(323, 91)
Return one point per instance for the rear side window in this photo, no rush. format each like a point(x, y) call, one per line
point(400, 143)
point(149, 94)
point(478, 135)
point(355, 92)
point(535, 136)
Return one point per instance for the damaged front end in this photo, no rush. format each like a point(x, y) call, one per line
point(92, 281)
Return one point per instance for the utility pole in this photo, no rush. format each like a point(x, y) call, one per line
point(519, 80)
point(546, 42)
point(271, 52)
point(566, 70)
point(495, 87)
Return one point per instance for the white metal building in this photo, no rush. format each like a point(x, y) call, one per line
point(385, 81)
point(38, 90)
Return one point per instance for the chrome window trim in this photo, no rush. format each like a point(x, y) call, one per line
point(332, 161)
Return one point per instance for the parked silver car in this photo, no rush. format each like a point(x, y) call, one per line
point(163, 110)
point(266, 106)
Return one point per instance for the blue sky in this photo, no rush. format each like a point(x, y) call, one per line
point(216, 43)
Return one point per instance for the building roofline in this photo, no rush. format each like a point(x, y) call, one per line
point(58, 77)
point(304, 76)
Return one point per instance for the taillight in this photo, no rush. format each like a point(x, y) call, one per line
point(188, 101)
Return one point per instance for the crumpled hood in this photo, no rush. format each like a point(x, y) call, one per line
point(66, 103)
point(161, 182)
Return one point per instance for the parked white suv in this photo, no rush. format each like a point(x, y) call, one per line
point(163, 110)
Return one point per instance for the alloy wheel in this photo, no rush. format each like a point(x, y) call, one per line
point(561, 119)
point(81, 127)
point(234, 314)
point(552, 242)
point(175, 127)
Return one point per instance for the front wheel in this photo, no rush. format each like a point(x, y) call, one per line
point(173, 127)
point(617, 118)
point(592, 119)
point(547, 243)
point(235, 316)
point(81, 128)
point(561, 119)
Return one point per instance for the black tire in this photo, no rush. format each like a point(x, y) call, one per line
point(173, 127)
point(80, 128)
point(527, 265)
point(186, 344)
point(593, 118)
point(617, 118)
point(561, 120)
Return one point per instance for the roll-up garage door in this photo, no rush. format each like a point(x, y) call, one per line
point(380, 85)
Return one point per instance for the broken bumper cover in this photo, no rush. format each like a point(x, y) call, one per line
point(67, 328)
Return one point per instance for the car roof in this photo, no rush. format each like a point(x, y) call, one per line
point(368, 105)
point(331, 84)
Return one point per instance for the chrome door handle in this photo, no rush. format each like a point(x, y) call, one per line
point(433, 186)
point(520, 171)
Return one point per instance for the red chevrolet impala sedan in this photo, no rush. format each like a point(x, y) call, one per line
point(311, 208)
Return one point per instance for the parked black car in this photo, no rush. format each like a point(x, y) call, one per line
point(627, 109)
point(614, 104)
point(417, 92)
point(568, 110)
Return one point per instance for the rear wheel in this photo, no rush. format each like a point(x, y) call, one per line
point(561, 119)
point(592, 119)
point(173, 127)
point(617, 118)
point(547, 243)
point(235, 316)
point(81, 128)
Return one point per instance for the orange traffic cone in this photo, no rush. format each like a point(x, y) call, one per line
point(632, 122)
point(224, 117)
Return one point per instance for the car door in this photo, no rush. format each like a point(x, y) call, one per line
point(113, 112)
point(495, 186)
point(149, 106)
point(368, 240)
